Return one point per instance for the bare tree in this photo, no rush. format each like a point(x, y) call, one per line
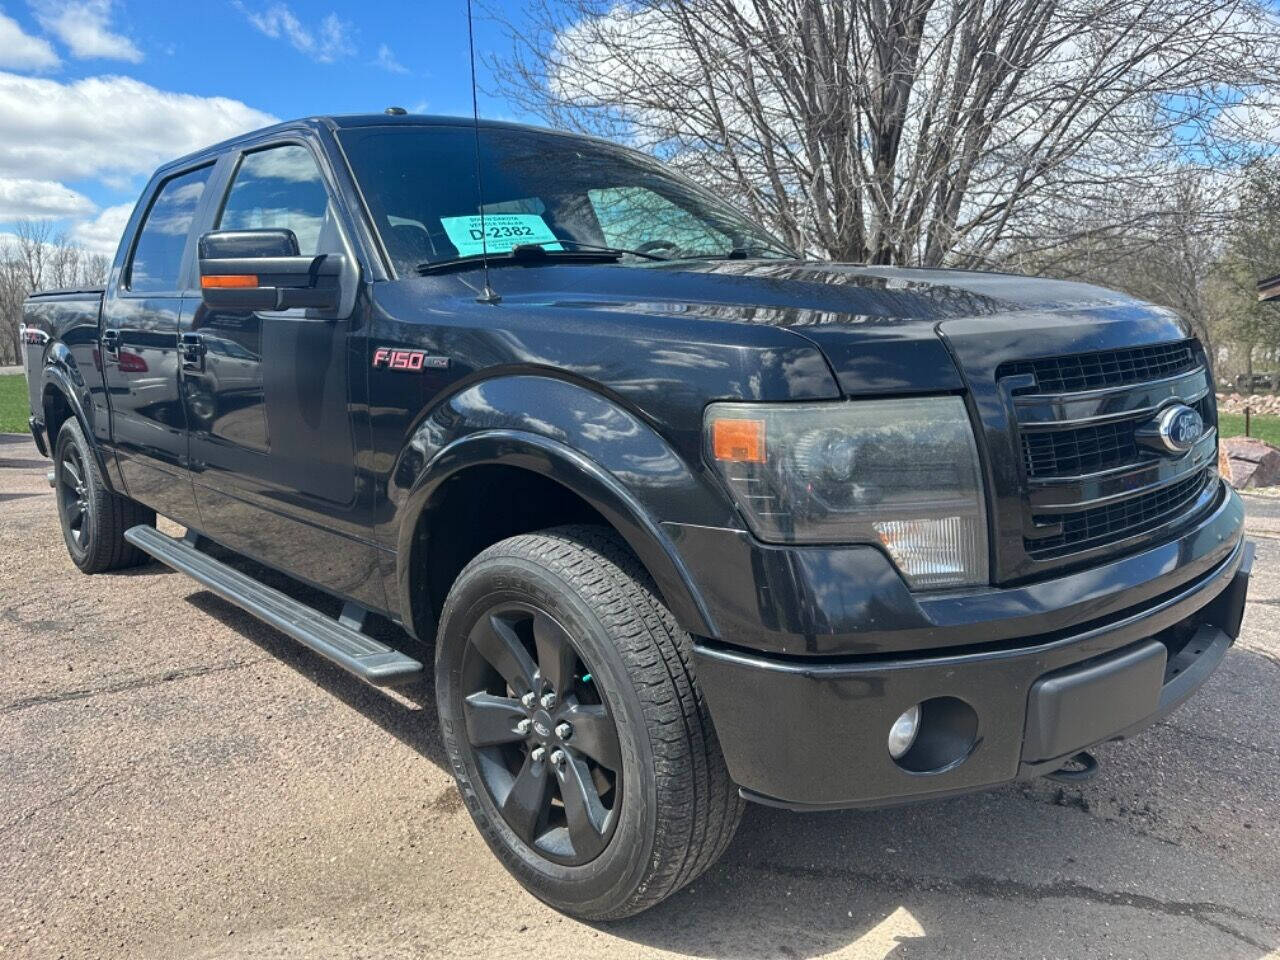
point(1200, 247)
point(1169, 254)
point(37, 258)
point(913, 131)
point(13, 290)
point(1252, 254)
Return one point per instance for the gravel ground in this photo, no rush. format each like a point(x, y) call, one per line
point(178, 780)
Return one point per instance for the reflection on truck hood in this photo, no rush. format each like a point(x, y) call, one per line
point(878, 326)
point(812, 294)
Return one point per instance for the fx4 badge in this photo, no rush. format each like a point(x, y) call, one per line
point(408, 360)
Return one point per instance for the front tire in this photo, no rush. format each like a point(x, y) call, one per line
point(605, 791)
point(92, 516)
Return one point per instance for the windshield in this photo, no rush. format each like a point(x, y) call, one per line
point(559, 192)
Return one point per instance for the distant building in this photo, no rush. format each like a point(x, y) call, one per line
point(1269, 289)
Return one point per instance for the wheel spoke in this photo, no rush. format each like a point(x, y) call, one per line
point(71, 471)
point(525, 805)
point(556, 656)
point(595, 735)
point(497, 642)
point(492, 720)
point(583, 810)
point(75, 510)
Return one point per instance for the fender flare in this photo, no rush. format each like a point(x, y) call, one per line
point(581, 475)
point(61, 374)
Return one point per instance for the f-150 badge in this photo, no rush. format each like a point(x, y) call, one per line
point(410, 360)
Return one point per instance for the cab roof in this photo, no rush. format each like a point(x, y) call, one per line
point(341, 122)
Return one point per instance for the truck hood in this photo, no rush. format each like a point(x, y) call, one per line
point(882, 329)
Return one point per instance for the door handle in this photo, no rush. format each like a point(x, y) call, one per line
point(193, 351)
point(111, 341)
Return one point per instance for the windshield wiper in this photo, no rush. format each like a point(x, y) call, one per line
point(521, 253)
point(605, 249)
point(535, 252)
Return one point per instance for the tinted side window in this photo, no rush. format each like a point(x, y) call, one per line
point(281, 187)
point(157, 255)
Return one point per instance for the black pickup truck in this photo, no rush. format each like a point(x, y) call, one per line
point(681, 516)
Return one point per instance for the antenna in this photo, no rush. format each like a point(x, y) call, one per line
point(489, 295)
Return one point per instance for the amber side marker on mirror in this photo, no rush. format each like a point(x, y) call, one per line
point(738, 440)
point(230, 280)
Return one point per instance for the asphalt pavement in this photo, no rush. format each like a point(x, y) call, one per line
point(178, 780)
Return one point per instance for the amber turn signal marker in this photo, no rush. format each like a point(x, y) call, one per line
point(738, 440)
point(230, 280)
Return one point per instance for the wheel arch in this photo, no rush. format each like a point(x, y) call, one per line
point(550, 462)
point(63, 395)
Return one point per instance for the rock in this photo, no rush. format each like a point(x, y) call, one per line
point(1249, 462)
point(1266, 404)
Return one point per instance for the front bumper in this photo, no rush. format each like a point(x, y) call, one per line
point(810, 733)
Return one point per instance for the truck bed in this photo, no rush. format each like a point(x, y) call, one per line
point(48, 319)
point(58, 293)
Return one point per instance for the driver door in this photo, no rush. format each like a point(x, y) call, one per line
point(273, 448)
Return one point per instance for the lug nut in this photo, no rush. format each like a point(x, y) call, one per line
point(528, 700)
point(563, 731)
point(548, 701)
point(538, 754)
point(523, 727)
point(557, 757)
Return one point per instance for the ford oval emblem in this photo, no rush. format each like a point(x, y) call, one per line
point(1173, 432)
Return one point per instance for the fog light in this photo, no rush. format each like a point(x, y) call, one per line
point(903, 732)
point(942, 552)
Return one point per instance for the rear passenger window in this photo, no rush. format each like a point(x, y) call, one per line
point(157, 256)
point(281, 188)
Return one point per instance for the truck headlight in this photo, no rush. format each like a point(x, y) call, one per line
point(903, 474)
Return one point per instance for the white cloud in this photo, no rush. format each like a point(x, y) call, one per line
point(114, 130)
point(84, 26)
point(107, 127)
point(1254, 119)
point(332, 40)
point(102, 233)
point(23, 197)
point(387, 61)
point(21, 51)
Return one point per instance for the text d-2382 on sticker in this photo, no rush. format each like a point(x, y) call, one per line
point(498, 233)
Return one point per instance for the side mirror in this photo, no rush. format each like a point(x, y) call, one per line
point(247, 270)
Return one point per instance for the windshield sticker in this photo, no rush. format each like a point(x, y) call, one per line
point(502, 231)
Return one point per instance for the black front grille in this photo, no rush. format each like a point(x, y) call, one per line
point(1090, 449)
point(1066, 453)
point(1116, 521)
point(1104, 368)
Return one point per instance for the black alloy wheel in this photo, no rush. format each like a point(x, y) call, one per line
point(93, 517)
point(73, 495)
point(545, 743)
point(579, 740)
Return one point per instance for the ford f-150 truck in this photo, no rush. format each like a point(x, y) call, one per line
point(678, 516)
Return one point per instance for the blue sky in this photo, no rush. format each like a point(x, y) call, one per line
point(95, 93)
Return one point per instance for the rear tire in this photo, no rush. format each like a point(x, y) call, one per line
point(92, 516)
point(574, 603)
